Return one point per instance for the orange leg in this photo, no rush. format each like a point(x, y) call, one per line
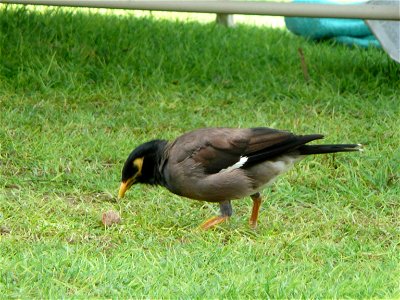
point(256, 207)
point(226, 212)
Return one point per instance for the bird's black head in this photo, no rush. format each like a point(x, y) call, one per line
point(141, 165)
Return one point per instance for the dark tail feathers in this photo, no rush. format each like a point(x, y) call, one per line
point(321, 149)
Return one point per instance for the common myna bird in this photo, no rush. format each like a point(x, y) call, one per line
point(221, 164)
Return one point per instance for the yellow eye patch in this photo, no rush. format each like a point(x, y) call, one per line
point(138, 163)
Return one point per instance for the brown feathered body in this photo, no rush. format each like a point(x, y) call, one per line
point(196, 165)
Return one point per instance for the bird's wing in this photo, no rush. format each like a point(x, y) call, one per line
point(266, 143)
point(217, 149)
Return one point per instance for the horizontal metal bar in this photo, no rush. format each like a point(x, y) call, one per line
point(361, 11)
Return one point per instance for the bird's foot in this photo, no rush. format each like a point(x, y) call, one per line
point(253, 224)
point(213, 221)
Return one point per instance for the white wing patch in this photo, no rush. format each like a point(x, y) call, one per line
point(235, 166)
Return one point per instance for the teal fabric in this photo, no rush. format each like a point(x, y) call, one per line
point(346, 31)
point(364, 42)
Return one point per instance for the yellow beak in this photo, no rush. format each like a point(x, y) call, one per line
point(122, 189)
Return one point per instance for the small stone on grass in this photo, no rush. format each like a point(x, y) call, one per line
point(110, 217)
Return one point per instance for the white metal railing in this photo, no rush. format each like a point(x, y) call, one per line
point(361, 11)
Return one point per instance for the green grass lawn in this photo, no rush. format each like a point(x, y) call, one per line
point(79, 90)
